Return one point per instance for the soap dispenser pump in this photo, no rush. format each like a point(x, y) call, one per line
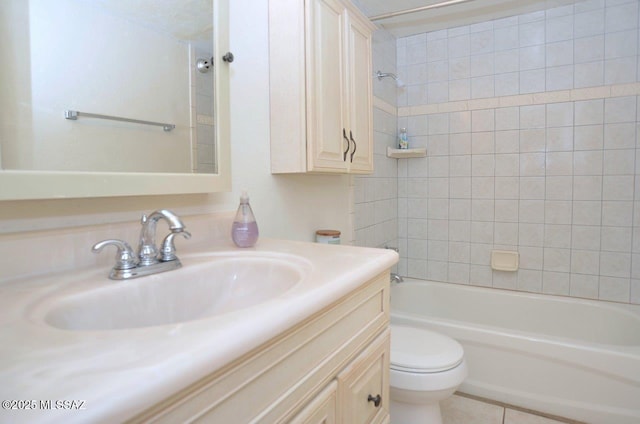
point(244, 230)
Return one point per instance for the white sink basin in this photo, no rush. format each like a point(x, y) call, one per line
point(203, 287)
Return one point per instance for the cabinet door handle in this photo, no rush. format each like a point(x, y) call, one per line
point(344, 155)
point(377, 400)
point(354, 145)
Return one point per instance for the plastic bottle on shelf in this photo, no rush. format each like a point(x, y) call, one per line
point(403, 140)
point(244, 230)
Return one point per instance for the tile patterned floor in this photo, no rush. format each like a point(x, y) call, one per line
point(459, 409)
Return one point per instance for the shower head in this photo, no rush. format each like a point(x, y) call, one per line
point(382, 75)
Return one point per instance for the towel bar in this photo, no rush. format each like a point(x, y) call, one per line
point(74, 114)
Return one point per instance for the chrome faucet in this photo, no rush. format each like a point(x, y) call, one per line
point(147, 250)
point(149, 259)
point(395, 278)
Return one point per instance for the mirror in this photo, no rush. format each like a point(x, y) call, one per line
point(106, 98)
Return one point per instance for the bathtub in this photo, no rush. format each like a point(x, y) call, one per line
point(573, 358)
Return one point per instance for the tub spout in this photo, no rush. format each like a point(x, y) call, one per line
point(395, 278)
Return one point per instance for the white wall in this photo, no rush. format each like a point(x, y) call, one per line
point(290, 207)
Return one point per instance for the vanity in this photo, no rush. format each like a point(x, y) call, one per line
point(328, 367)
point(291, 332)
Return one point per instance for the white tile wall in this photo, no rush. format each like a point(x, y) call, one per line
point(532, 146)
point(204, 133)
point(548, 180)
point(376, 195)
point(589, 44)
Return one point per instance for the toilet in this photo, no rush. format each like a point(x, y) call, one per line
point(426, 367)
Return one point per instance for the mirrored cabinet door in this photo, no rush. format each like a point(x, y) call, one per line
point(111, 98)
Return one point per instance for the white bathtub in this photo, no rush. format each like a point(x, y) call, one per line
point(573, 358)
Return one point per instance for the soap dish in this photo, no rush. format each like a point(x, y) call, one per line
point(504, 260)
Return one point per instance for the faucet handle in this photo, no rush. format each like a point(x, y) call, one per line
point(168, 250)
point(125, 257)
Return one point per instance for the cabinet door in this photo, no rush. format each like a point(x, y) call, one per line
point(360, 91)
point(363, 386)
point(322, 409)
point(327, 137)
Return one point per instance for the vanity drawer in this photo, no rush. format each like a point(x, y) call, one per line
point(363, 386)
point(321, 410)
point(274, 382)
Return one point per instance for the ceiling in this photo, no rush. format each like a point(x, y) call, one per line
point(453, 15)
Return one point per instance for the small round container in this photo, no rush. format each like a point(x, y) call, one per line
point(328, 236)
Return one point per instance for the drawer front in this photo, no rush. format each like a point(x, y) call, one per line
point(323, 409)
point(363, 387)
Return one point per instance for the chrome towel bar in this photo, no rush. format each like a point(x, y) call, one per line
point(74, 114)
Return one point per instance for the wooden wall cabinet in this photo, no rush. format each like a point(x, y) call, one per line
point(320, 79)
point(331, 368)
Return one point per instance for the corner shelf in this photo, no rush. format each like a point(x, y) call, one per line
point(419, 152)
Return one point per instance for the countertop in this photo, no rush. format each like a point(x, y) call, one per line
point(112, 375)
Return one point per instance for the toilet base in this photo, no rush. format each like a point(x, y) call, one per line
point(412, 413)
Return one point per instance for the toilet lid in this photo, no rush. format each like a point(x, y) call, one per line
point(423, 351)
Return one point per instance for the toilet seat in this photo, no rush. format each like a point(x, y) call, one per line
point(417, 350)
